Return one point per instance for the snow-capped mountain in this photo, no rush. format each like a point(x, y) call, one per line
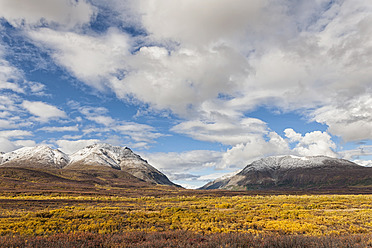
point(100, 155)
point(39, 156)
point(295, 172)
point(292, 162)
point(121, 158)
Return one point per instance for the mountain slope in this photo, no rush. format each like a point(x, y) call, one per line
point(290, 172)
point(94, 157)
point(104, 180)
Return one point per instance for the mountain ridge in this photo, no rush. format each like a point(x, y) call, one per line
point(94, 156)
point(296, 172)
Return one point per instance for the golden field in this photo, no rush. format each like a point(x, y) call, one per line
point(310, 215)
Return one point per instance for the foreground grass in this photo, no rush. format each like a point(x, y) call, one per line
point(308, 215)
point(184, 239)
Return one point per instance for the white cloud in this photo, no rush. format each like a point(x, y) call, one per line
point(214, 176)
point(176, 163)
point(60, 129)
point(202, 22)
point(15, 133)
point(185, 167)
point(36, 88)
point(255, 148)
point(141, 134)
point(212, 63)
point(312, 144)
point(11, 78)
point(225, 131)
point(92, 59)
point(351, 119)
point(98, 115)
point(11, 86)
point(6, 124)
point(6, 145)
point(291, 56)
point(24, 143)
point(68, 13)
point(43, 111)
point(71, 146)
point(158, 76)
point(362, 151)
point(366, 163)
point(292, 135)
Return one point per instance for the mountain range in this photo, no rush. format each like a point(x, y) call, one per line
point(104, 164)
point(292, 172)
point(98, 156)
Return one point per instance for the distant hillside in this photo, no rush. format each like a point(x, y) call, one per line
point(291, 172)
point(94, 157)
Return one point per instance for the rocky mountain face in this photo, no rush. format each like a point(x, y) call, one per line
point(97, 156)
point(296, 172)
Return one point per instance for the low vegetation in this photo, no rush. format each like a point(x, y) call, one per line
point(184, 239)
point(282, 214)
point(106, 211)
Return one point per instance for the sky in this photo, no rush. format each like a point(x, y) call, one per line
point(198, 88)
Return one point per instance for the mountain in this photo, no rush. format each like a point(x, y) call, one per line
point(120, 158)
point(39, 156)
point(94, 157)
point(291, 172)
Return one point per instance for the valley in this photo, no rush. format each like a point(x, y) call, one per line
point(106, 196)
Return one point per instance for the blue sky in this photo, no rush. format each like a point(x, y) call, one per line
point(198, 88)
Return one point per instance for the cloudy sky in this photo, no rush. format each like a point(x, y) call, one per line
point(198, 88)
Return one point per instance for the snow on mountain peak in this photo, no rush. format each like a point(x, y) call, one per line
point(290, 162)
point(41, 154)
point(104, 154)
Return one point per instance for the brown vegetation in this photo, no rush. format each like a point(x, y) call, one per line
point(100, 208)
point(183, 239)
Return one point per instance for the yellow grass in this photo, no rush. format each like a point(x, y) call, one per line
point(312, 215)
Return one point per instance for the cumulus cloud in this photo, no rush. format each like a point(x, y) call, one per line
point(200, 23)
point(181, 80)
point(211, 64)
point(256, 147)
point(68, 13)
point(43, 111)
point(291, 56)
point(312, 144)
point(351, 120)
point(92, 59)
